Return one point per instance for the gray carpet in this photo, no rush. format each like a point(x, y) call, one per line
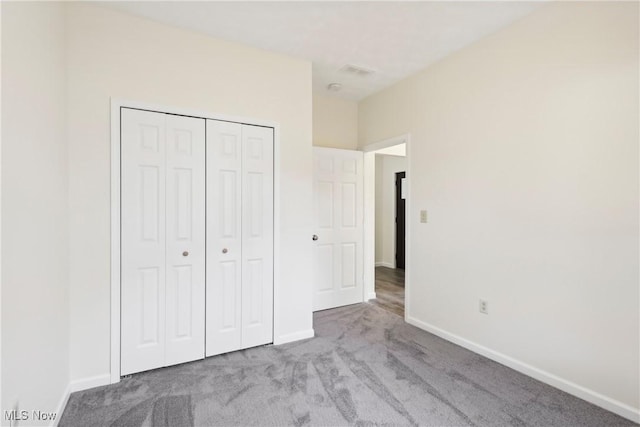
point(365, 367)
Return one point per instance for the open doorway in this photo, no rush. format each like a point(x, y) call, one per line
point(400, 219)
point(390, 230)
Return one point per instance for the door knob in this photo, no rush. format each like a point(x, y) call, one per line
point(225, 250)
point(185, 253)
point(315, 237)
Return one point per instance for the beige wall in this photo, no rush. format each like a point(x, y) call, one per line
point(386, 168)
point(335, 122)
point(116, 55)
point(524, 150)
point(35, 261)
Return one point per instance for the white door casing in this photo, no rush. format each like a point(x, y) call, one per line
point(162, 216)
point(338, 207)
point(239, 236)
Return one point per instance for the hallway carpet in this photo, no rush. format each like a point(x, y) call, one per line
point(365, 367)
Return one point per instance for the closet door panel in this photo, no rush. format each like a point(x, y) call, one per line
point(224, 237)
point(257, 235)
point(185, 248)
point(143, 240)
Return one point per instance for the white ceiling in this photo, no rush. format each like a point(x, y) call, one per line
point(396, 39)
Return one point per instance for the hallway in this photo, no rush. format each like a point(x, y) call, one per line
point(390, 290)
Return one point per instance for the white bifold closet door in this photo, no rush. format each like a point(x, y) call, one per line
point(163, 240)
point(239, 236)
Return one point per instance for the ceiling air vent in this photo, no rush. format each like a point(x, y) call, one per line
point(357, 70)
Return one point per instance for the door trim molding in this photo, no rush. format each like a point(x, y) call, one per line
point(116, 105)
point(370, 217)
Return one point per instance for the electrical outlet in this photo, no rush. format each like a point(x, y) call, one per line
point(423, 216)
point(484, 306)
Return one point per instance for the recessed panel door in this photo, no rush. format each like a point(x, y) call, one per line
point(143, 219)
point(224, 237)
point(257, 235)
point(185, 233)
point(338, 238)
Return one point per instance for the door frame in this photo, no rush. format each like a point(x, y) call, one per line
point(370, 217)
point(116, 105)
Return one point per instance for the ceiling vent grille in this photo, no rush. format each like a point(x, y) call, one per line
point(357, 70)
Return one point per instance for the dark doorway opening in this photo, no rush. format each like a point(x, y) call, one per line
point(400, 221)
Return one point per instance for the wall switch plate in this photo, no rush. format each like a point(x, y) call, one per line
point(483, 306)
point(423, 216)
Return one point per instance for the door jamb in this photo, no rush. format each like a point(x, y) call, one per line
point(370, 217)
point(116, 105)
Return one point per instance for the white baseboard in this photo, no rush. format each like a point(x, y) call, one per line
point(385, 264)
point(584, 393)
point(371, 295)
point(78, 385)
point(296, 336)
point(61, 405)
point(90, 382)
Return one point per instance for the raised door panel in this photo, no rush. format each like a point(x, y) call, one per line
point(143, 240)
point(257, 235)
point(185, 248)
point(224, 237)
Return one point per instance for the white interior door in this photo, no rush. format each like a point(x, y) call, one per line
point(338, 250)
point(162, 216)
point(239, 236)
point(257, 235)
point(224, 237)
